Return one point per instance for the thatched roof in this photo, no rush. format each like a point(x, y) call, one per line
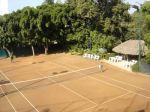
point(131, 47)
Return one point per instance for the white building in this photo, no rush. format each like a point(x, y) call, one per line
point(3, 7)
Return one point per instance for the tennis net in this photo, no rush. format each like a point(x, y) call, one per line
point(44, 80)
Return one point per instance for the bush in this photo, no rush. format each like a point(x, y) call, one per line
point(107, 55)
point(76, 51)
point(136, 68)
point(148, 57)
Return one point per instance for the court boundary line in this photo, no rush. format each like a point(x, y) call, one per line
point(89, 76)
point(85, 98)
point(123, 70)
point(112, 66)
point(70, 90)
point(40, 78)
point(107, 101)
point(74, 92)
point(127, 84)
point(113, 84)
point(62, 65)
point(124, 88)
point(109, 84)
point(10, 103)
point(113, 99)
point(19, 92)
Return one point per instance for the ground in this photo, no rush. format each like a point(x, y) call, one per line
point(67, 83)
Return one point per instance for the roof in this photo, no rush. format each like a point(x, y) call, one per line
point(131, 47)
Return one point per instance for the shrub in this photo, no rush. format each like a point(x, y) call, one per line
point(148, 57)
point(74, 50)
point(136, 68)
point(107, 55)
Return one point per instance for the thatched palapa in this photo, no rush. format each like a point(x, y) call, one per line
point(131, 47)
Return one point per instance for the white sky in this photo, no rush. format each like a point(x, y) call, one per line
point(135, 2)
point(3, 7)
point(14, 5)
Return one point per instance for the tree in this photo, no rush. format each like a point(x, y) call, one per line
point(45, 26)
point(28, 25)
point(146, 23)
point(61, 18)
point(114, 17)
point(109, 19)
point(48, 2)
point(9, 31)
point(88, 24)
point(147, 58)
point(147, 39)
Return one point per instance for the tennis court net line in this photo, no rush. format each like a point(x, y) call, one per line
point(88, 71)
point(13, 87)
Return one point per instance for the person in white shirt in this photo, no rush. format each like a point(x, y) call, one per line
point(101, 66)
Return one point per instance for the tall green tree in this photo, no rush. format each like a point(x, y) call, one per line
point(146, 21)
point(28, 25)
point(45, 26)
point(9, 31)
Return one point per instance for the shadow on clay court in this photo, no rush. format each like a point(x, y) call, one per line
point(47, 108)
point(23, 66)
point(38, 84)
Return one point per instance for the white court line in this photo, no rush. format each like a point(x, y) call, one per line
point(19, 91)
point(60, 84)
point(120, 87)
point(127, 84)
point(123, 70)
point(113, 99)
point(62, 74)
point(8, 100)
point(114, 85)
point(63, 65)
point(77, 94)
point(105, 82)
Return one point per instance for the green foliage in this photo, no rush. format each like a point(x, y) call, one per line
point(102, 41)
point(147, 59)
point(135, 67)
point(107, 55)
point(147, 39)
point(28, 26)
point(84, 24)
point(146, 7)
point(75, 50)
point(48, 2)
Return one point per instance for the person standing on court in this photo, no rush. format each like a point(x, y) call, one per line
point(101, 67)
point(11, 57)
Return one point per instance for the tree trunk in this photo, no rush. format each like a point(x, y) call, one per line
point(33, 52)
point(46, 50)
point(8, 51)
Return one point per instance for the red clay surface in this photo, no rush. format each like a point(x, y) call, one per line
point(67, 83)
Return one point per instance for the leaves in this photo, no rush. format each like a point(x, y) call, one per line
point(88, 24)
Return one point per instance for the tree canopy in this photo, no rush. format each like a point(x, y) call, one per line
point(77, 25)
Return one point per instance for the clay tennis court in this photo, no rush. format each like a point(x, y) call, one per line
point(67, 83)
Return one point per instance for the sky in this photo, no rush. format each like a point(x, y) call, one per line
point(14, 5)
point(135, 2)
point(19, 4)
point(3, 7)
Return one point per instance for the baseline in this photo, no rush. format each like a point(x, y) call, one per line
point(8, 100)
point(19, 91)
